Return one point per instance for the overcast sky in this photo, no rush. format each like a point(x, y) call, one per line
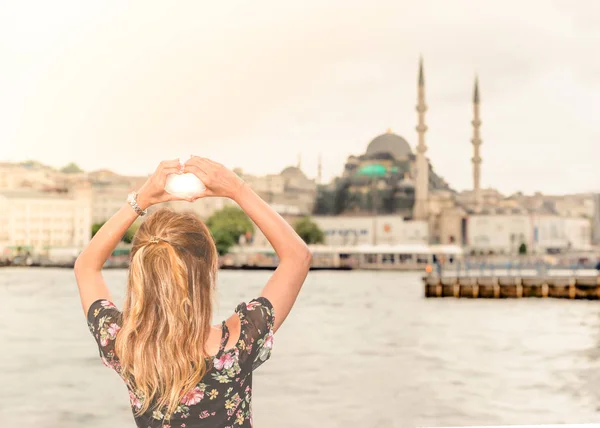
point(122, 85)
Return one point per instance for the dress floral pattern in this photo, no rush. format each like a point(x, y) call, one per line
point(223, 398)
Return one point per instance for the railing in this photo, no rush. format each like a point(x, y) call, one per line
point(519, 267)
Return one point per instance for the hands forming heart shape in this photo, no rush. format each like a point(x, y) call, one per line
point(195, 178)
point(184, 186)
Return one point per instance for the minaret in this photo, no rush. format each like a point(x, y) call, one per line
point(299, 160)
point(422, 174)
point(320, 170)
point(476, 141)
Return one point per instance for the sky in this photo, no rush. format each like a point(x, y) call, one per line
point(124, 85)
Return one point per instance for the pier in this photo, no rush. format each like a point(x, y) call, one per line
point(505, 287)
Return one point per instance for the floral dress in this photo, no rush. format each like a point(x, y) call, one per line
point(223, 398)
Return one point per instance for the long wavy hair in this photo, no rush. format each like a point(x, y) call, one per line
point(168, 310)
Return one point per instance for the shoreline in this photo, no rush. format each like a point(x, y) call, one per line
point(261, 268)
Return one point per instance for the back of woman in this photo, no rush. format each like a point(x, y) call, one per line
point(179, 369)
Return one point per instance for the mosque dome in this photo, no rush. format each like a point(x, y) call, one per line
point(389, 143)
point(293, 171)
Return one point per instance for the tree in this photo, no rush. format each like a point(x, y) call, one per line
point(127, 238)
point(309, 231)
point(523, 248)
point(96, 227)
point(71, 168)
point(227, 226)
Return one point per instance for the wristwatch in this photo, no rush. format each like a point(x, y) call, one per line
point(132, 200)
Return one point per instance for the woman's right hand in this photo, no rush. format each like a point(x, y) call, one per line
point(219, 181)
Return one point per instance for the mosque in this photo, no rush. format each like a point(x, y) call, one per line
point(392, 195)
point(380, 181)
point(391, 178)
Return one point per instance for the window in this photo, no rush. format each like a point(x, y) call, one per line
point(371, 258)
point(388, 259)
point(404, 258)
point(422, 259)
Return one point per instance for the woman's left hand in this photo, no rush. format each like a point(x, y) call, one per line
point(153, 191)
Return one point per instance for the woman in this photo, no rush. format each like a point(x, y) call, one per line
point(179, 369)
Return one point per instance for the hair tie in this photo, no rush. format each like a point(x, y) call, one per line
point(154, 239)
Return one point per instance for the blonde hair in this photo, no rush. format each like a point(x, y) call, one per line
point(168, 310)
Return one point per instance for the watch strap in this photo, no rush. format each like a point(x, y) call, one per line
point(132, 199)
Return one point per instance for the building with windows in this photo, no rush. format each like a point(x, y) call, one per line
point(504, 232)
point(291, 189)
point(34, 220)
point(372, 230)
point(109, 192)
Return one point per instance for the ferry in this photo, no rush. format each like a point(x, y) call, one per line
point(375, 257)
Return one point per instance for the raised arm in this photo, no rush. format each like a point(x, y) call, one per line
point(88, 267)
point(294, 256)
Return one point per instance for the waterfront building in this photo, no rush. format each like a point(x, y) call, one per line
point(291, 189)
point(504, 232)
point(372, 230)
point(109, 192)
point(353, 231)
point(373, 257)
point(573, 205)
point(36, 220)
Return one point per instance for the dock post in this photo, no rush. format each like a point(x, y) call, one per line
point(496, 291)
point(432, 286)
point(486, 287)
point(545, 289)
point(532, 287)
point(560, 287)
point(468, 287)
point(572, 290)
point(587, 287)
point(509, 287)
point(449, 286)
